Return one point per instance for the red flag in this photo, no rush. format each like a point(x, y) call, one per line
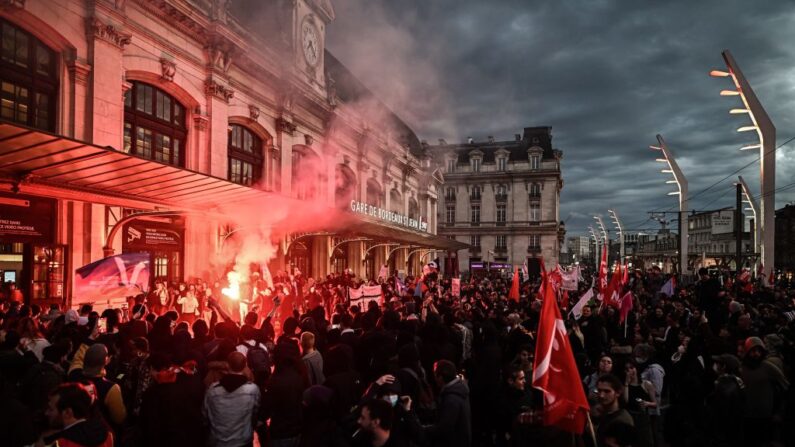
point(514, 293)
point(612, 295)
point(555, 373)
point(625, 278)
point(626, 306)
point(564, 302)
point(603, 270)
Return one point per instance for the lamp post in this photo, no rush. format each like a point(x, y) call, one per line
point(617, 223)
point(605, 238)
point(681, 183)
point(596, 243)
point(754, 209)
point(766, 133)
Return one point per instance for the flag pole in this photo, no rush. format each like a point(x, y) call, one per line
point(590, 427)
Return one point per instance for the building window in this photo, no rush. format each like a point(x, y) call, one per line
point(451, 165)
point(502, 241)
point(374, 195)
point(535, 190)
point(244, 150)
point(28, 80)
point(475, 195)
point(535, 162)
point(535, 212)
point(535, 241)
point(449, 193)
point(501, 213)
point(502, 163)
point(475, 165)
point(474, 240)
point(475, 214)
point(154, 125)
point(450, 214)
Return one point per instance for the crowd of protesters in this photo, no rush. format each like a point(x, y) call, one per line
point(710, 365)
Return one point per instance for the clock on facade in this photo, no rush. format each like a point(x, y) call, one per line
point(310, 41)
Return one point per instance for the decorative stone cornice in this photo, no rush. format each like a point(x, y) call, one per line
point(96, 28)
point(200, 122)
point(12, 4)
point(253, 112)
point(168, 69)
point(282, 125)
point(215, 88)
point(219, 54)
point(79, 71)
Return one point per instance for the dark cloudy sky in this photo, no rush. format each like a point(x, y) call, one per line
point(607, 75)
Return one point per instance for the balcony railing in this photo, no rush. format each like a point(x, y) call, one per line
point(501, 197)
point(474, 197)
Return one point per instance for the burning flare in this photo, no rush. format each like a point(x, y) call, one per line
point(233, 291)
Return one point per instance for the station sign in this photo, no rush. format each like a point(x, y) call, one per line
point(387, 216)
point(151, 236)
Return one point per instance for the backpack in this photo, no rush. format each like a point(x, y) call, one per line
point(258, 359)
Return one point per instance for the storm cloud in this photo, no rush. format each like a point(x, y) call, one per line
point(607, 75)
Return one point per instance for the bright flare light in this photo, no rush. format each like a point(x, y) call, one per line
point(233, 291)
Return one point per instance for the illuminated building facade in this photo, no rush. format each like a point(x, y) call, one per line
point(114, 108)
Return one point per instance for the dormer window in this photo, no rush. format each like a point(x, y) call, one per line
point(475, 164)
point(502, 164)
point(535, 162)
point(451, 165)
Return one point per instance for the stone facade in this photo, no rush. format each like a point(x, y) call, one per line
point(224, 69)
point(502, 198)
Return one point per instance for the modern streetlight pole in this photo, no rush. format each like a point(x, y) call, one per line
point(681, 183)
point(605, 238)
point(617, 222)
point(766, 132)
point(754, 209)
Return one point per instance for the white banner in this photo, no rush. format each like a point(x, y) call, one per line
point(365, 294)
point(570, 280)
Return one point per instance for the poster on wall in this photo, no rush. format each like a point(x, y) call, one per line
point(114, 277)
point(723, 222)
point(25, 219)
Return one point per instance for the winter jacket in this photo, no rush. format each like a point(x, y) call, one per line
point(454, 425)
point(282, 403)
point(229, 407)
point(170, 413)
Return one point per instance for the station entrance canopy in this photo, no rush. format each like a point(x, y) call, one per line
point(51, 165)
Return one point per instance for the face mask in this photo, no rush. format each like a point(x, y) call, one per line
point(640, 360)
point(392, 399)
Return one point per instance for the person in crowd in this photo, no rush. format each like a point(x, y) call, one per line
point(765, 384)
point(613, 419)
point(454, 424)
point(105, 392)
point(639, 396)
point(69, 411)
point(281, 400)
point(313, 361)
point(725, 406)
point(231, 406)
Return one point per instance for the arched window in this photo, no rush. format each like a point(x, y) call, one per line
point(306, 173)
point(345, 186)
point(154, 125)
point(395, 201)
point(245, 156)
point(375, 196)
point(414, 208)
point(28, 80)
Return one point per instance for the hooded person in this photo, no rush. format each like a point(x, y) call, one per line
point(453, 427)
point(231, 404)
point(725, 406)
point(764, 383)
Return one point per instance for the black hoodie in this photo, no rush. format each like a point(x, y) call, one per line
point(454, 425)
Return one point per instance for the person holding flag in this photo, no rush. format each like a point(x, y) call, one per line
point(555, 372)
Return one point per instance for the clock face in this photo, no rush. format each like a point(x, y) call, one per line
point(310, 41)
